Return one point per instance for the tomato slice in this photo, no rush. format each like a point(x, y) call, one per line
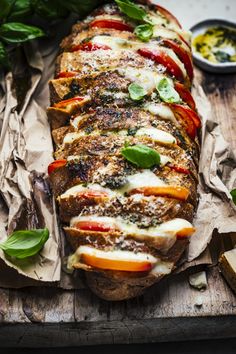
point(160, 57)
point(101, 262)
point(182, 54)
point(185, 233)
point(167, 14)
point(186, 111)
point(94, 226)
point(179, 169)
point(114, 24)
point(185, 120)
point(89, 47)
point(177, 192)
point(185, 95)
point(92, 194)
point(56, 164)
point(66, 74)
point(64, 103)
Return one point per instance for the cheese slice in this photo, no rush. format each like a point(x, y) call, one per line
point(117, 254)
point(165, 230)
point(80, 188)
point(162, 111)
point(141, 179)
point(155, 134)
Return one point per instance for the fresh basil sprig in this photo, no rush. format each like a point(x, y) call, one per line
point(233, 194)
point(135, 12)
point(25, 243)
point(132, 10)
point(141, 156)
point(136, 92)
point(5, 8)
point(16, 32)
point(167, 92)
point(144, 32)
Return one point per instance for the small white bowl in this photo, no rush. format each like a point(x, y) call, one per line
point(201, 28)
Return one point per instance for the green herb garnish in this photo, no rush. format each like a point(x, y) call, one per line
point(233, 194)
point(25, 243)
point(15, 32)
point(144, 32)
point(167, 92)
point(132, 10)
point(136, 92)
point(141, 156)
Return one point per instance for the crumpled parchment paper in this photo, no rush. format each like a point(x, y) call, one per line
point(26, 150)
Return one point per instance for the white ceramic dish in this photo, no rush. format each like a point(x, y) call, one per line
point(203, 63)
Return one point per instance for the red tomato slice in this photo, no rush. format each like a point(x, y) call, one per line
point(89, 47)
point(66, 74)
point(185, 120)
point(92, 194)
point(182, 54)
point(186, 111)
point(167, 14)
point(185, 95)
point(113, 264)
point(69, 101)
point(94, 226)
point(114, 24)
point(56, 164)
point(160, 57)
point(179, 169)
point(176, 192)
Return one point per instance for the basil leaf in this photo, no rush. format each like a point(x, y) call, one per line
point(131, 10)
point(167, 92)
point(21, 10)
point(3, 56)
point(16, 32)
point(5, 7)
point(26, 243)
point(233, 193)
point(49, 9)
point(144, 32)
point(141, 156)
point(136, 92)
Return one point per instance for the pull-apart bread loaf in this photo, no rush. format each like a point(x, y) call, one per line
point(125, 129)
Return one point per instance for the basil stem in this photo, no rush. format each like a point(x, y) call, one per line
point(25, 243)
point(136, 92)
point(167, 92)
point(141, 156)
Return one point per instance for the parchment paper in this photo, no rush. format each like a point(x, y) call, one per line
point(26, 150)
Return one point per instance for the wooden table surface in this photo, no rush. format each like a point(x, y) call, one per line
point(49, 317)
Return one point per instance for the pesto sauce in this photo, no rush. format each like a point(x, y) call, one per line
point(217, 44)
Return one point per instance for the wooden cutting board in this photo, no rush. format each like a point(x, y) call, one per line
point(46, 317)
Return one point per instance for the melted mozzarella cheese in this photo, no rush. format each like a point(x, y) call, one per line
point(149, 79)
point(142, 179)
point(156, 134)
point(80, 188)
point(162, 111)
point(162, 268)
point(166, 229)
point(117, 255)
